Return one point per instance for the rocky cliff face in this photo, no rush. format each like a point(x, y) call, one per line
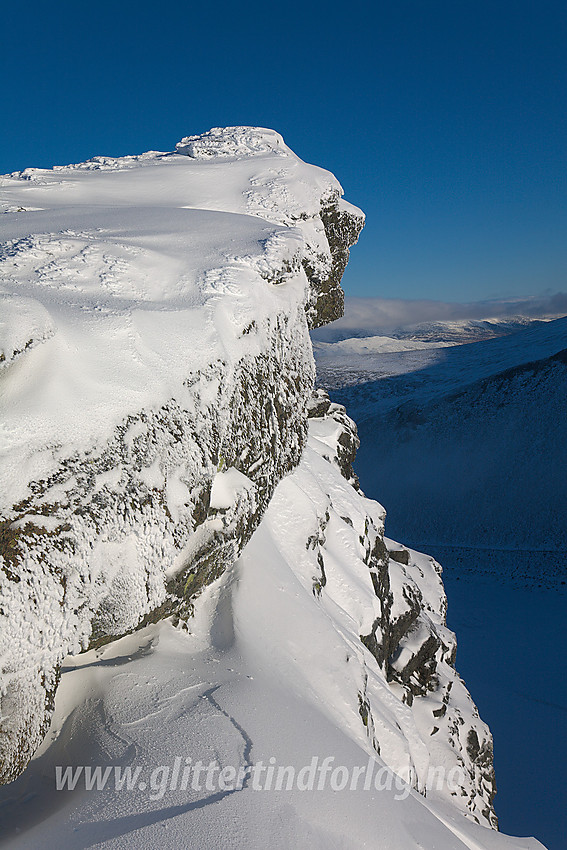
point(157, 377)
point(158, 306)
point(416, 710)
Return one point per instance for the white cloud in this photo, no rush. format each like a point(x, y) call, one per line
point(382, 315)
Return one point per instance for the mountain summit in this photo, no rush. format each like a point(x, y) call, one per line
point(185, 551)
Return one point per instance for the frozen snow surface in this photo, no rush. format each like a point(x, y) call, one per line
point(270, 671)
point(120, 278)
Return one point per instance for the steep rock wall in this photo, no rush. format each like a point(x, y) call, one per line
point(107, 524)
point(200, 270)
point(416, 711)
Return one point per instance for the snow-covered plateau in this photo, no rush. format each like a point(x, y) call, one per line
point(207, 583)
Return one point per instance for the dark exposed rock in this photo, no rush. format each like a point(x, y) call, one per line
point(399, 555)
point(342, 228)
point(318, 405)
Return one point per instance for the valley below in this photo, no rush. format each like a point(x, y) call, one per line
point(465, 446)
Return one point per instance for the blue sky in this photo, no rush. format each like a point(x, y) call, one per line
point(445, 121)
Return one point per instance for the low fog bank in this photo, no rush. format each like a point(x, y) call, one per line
point(369, 316)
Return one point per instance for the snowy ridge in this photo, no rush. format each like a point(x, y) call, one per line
point(391, 600)
point(156, 333)
point(271, 670)
point(404, 320)
point(470, 330)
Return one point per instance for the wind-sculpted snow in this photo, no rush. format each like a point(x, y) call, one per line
point(156, 383)
point(242, 141)
point(273, 678)
point(154, 336)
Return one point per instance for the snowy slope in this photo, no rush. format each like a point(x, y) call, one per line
point(130, 274)
point(358, 358)
point(423, 376)
point(153, 334)
point(272, 672)
point(355, 361)
point(371, 345)
point(156, 377)
point(470, 450)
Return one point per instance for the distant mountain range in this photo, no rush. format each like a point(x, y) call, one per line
point(456, 331)
point(467, 445)
point(466, 330)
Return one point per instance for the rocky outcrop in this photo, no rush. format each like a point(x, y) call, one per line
point(157, 380)
point(341, 439)
point(121, 516)
point(414, 708)
point(342, 229)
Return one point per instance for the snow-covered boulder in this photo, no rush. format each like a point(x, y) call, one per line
point(154, 337)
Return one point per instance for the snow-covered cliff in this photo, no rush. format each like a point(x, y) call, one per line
point(155, 367)
point(310, 701)
point(156, 384)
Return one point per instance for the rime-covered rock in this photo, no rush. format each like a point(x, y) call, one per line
point(415, 709)
point(153, 339)
point(157, 393)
